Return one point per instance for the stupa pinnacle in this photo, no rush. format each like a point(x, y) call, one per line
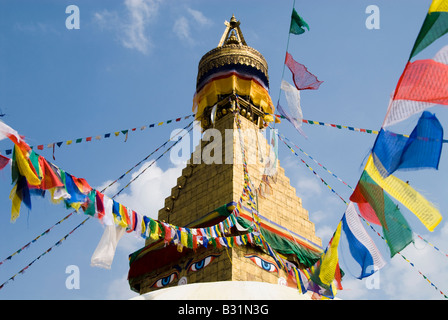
point(217, 204)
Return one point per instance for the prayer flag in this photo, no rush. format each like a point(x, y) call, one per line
point(50, 178)
point(100, 209)
point(423, 84)
point(25, 167)
point(434, 26)
point(19, 193)
point(16, 201)
point(324, 273)
point(292, 95)
point(297, 25)
point(105, 251)
point(8, 132)
point(396, 229)
point(421, 150)
point(3, 161)
point(108, 218)
point(89, 206)
point(404, 193)
point(303, 79)
point(292, 120)
point(82, 185)
point(361, 246)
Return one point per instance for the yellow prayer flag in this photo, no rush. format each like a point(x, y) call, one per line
point(408, 196)
point(16, 202)
point(330, 259)
point(155, 235)
point(122, 221)
point(25, 168)
point(438, 6)
point(184, 238)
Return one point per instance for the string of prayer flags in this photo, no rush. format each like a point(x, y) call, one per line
point(297, 25)
point(434, 26)
point(91, 138)
point(423, 84)
point(421, 150)
point(35, 239)
point(58, 243)
point(310, 157)
point(302, 78)
point(362, 247)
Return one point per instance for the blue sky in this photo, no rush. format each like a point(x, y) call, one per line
point(133, 63)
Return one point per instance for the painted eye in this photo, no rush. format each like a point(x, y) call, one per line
point(163, 282)
point(201, 264)
point(265, 265)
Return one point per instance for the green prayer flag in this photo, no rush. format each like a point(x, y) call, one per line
point(434, 26)
point(396, 230)
point(298, 25)
point(91, 208)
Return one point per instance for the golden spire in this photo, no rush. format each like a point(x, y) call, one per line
point(232, 26)
point(232, 50)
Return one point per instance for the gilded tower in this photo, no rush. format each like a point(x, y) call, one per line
point(233, 184)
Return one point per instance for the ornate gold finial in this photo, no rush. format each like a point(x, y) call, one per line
point(232, 39)
point(232, 50)
point(234, 56)
point(232, 26)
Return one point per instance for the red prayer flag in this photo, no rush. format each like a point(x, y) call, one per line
point(303, 79)
point(50, 179)
point(3, 161)
point(423, 84)
point(82, 184)
point(364, 206)
point(100, 211)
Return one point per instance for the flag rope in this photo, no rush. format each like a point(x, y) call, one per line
point(85, 220)
point(104, 136)
point(381, 236)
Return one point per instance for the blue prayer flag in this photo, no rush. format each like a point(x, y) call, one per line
point(421, 150)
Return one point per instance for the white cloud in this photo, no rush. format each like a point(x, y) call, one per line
point(140, 13)
point(36, 28)
point(183, 25)
point(308, 188)
point(147, 193)
point(182, 30)
point(199, 17)
point(131, 29)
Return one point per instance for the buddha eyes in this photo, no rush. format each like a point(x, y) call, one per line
point(190, 266)
point(201, 264)
point(265, 265)
point(163, 282)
